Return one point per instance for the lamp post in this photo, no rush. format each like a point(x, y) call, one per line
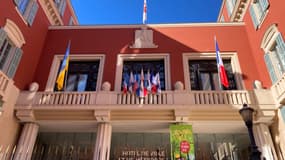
point(246, 113)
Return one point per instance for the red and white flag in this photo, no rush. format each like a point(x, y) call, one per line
point(142, 91)
point(221, 69)
point(144, 12)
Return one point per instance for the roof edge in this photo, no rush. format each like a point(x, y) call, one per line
point(214, 24)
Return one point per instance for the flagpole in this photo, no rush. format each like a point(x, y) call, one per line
point(65, 79)
point(66, 72)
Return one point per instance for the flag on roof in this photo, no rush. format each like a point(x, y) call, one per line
point(144, 12)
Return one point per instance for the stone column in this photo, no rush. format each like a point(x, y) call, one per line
point(103, 142)
point(264, 141)
point(26, 142)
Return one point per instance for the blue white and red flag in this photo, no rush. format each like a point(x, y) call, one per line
point(221, 69)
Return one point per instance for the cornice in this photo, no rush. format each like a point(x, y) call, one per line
point(149, 26)
point(239, 10)
point(51, 12)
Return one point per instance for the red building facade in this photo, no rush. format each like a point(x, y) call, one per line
point(93, 119)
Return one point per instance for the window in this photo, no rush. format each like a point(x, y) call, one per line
point(222, 19)
point(28, 9)
point(82, 76)
point(79, 78)
point(204, 75)
point(274, 48)
point(1, 104)
point(151, 66)
point(155, 63)
point(61, 5)
point(258, 10)
point(230, 6)
point(71, 21)
point(10, 55)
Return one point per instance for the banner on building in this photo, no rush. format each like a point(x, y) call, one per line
point(182, 142)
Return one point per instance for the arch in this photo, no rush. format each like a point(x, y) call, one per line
point(269, 37)
point(14, 33)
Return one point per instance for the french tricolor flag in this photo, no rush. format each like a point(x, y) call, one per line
point(144, 12)
point(221, 69)
point(142, 91)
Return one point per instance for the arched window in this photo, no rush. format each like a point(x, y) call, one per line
point(258, 10)
point(11, 41)
point(274, 48)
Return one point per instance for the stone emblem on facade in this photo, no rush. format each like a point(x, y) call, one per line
point(143, 39)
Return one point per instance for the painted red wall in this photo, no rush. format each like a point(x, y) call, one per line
point(174, 41)
point(34, 37)
point(275, 15)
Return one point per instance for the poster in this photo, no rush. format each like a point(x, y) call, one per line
point(182, 142)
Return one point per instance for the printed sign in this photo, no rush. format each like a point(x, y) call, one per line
point(182, 142)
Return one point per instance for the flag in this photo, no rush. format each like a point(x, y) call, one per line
point(131, 82)
point(221, 69)
point(125, 86)
point(144, 12)
point(63, 69)
point(155, 83)
point(148, 81)
point(141, 91)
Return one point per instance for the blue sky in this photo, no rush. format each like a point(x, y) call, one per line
point(99, 12)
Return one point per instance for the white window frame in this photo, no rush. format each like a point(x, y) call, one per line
point(25, 16)
point(212, 56)
point(146, 57)
point(267, 43)
point(230, 5)
point(260, 16)
point(84, 57)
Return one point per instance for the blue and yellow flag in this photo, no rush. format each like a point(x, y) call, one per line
point(63, 69)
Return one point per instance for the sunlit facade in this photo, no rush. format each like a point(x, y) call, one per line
point(99, 115)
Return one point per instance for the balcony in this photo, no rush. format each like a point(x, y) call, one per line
point(169, 106)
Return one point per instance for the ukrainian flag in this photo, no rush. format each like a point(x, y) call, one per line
point(63, 69)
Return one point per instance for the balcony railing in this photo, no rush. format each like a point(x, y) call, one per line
point(237, 97)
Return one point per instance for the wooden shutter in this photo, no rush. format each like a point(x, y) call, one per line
point(14, 63)
point(283, 112)
point(280, 48)
point(264, 4)
point(229, 7)
point(3, 36)
point(17, 2)
point(253, 16)
point(32, 14)
point(62, 7)
point(270, 68)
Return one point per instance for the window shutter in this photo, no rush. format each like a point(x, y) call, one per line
point(62, 7)
point(3, 36)
point(253, 16)
point(270, 68)
point(281, 50)
point(283, 112)
point(229, 7)
point(17, 2)
point(264, 4)
point(14, 63)
point(32, 14)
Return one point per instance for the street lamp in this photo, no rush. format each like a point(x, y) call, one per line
point(246, 113)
